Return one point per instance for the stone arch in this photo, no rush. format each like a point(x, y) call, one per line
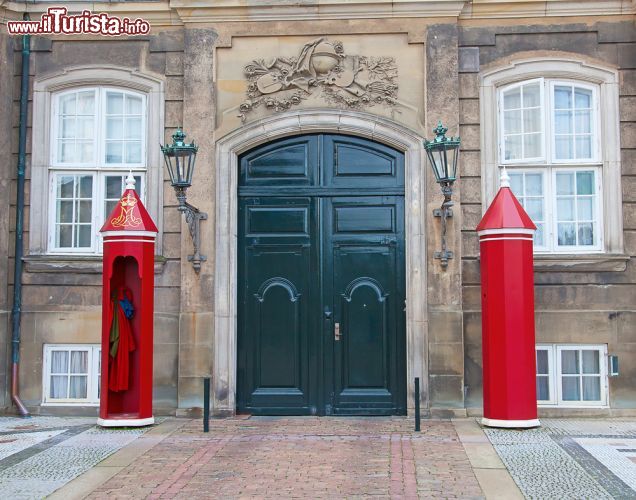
point(366, 125)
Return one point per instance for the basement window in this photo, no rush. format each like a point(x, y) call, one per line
point(571, 375)
point(71, 374)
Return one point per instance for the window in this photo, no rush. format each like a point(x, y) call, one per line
point(72, 373)
point(542, 115)
point(98, 135)
point(572, 375)
point(558, 180)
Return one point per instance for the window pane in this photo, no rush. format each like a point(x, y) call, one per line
point(113, 186)
point(86, 102)
point(59, 361)
point(583, 122)
point(64, 211)
point(512, 145)
point(114, 103)
point(532, 120)
point(563, 147)
point(66, 151)
point(585, 183)
point(570, 389)
point(538, 235)
point(133, 105)
point(569, 361)
point(110, 206)
point(78, 389)
point(85, 128)
point(531, 95)
point(566, 234)
point(67, 104)
point(133, 152)
point(67, 128)
point(586, 234)
point(83, 236)
point(563, 122)
point(565, 183)
point(59, 387)
point(516, 184)
point(542, 362)
point(585, 208)
point(534, 184)
point(133, 128)
point(565, 209)
point(79, 361)
point(86, 186)
point(512, 122)
point(583, 98)
point(583, 146)
point(512, 98)
point(532, 146)
point(543, 389)
point(64, 236)
point(84, 211)
point(562, 97)
point(534, 207)
point(114, 152)
point(591, 388)
point(591, 362)
point(65, 184)
point(114, 128)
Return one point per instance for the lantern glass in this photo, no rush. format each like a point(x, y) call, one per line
point(443, 153)
point(180, 159)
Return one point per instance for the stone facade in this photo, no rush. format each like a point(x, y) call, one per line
point(197, 58)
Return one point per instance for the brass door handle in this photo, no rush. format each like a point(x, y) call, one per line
point(336, 332)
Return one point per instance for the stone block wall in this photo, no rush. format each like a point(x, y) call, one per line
point(595, 304)
point(62, 298)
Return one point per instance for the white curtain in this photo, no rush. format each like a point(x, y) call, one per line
point(59, 383)
point(79, 365)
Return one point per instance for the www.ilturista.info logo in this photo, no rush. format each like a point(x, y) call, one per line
point(56, 21)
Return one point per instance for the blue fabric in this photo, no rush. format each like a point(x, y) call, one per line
point(127, 307)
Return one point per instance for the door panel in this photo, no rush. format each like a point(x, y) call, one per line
point(321, 243)
point(274, 301)
point(367, 291)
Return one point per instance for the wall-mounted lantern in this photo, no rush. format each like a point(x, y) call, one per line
point(180, 158)
point(443, 153)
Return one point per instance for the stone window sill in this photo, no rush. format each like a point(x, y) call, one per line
point(580, 263)
point(81, 264)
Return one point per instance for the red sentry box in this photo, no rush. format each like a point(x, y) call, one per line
point(507, 305)
point(129, 241)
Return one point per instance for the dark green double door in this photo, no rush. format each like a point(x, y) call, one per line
point(321, 278)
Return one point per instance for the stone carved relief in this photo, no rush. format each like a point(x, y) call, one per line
point(344, 81)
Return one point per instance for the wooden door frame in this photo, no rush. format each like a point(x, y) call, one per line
point(299, 122)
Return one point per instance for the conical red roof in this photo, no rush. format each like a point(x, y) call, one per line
point(505, 212)
point(129, 215)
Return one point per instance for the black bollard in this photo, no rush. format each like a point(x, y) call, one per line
point(417, 404)
point(206, 404)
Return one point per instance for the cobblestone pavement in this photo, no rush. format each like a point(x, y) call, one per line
point(279, 457)
point(40, 454)
point(571, 458)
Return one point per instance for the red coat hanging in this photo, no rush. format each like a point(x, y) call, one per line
point(122, 342)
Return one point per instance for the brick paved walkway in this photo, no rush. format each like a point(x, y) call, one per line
point(301, 457)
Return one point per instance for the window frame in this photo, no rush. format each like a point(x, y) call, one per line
point(45, 87)
point(562, 67)
point(93, 374)
point(555, 376)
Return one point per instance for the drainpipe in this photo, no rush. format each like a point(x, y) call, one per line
point(19, 226)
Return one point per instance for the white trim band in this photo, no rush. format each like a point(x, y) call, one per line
point(506, 230)
point(508, 239)
point(107, 234)
point(130, 241)
point(125, 422)
point(511, 424)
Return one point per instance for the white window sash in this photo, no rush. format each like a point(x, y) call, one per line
point(602, 350)
point(595, 126)
point(598, 223)
point(92, 375)
point(551, 378)
point(546, 203)
point(102, 141)
point(500, 114)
